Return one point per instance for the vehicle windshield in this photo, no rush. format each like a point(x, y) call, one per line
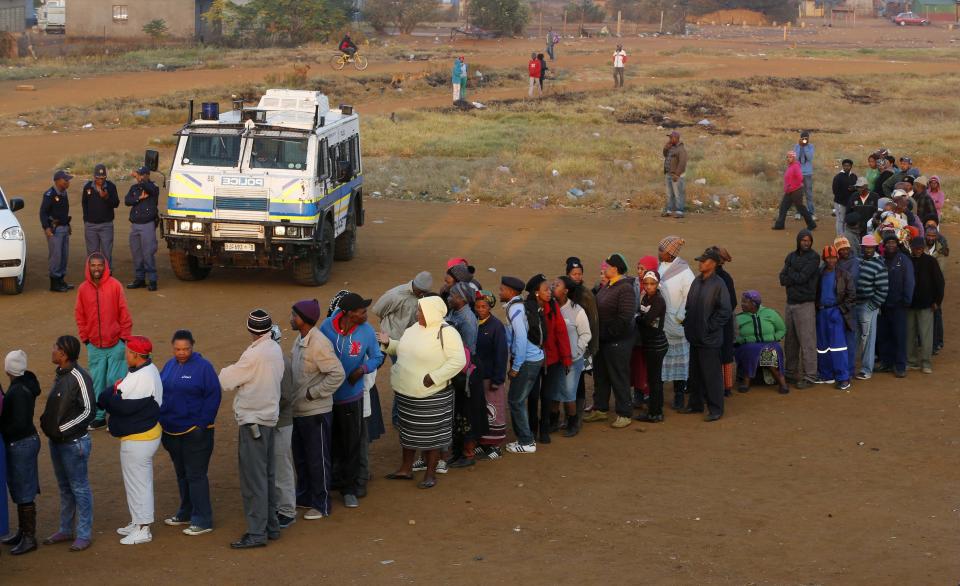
point(211, 150)
point(279, 153)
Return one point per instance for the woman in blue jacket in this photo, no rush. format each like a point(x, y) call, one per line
point(191, 398)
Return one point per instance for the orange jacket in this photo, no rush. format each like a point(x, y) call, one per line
point(101, 312)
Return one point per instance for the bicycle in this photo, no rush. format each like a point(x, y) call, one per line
point(340, 60)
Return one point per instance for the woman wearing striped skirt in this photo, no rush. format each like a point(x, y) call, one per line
point(429, 354)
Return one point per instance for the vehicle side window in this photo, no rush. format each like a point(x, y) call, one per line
point(323, 165)
point(355, 154)
point(339, 156)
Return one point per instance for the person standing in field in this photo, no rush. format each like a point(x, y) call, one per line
point(892, 324)
point(871, 293)
point(533, 70)
point(103, 323)
point(927, 297)
point(552, 40)
point(619, 60)
point(844, 186)
point(457, 79)
point(674, 168)
point(793, 182)
point(675, 280)
point(99, 199)
point(798, 277)
point(492, 356)
point(21, 446)
point(526, 360)
point(804, 153)
point(55, 220)
point(143, 199)
point(652, 311)
point(543, 70)
point(872, 172)
point(584, 297)
point(256, 377)
point(835, 298)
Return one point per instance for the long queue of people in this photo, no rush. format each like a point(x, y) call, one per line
point(306, 418)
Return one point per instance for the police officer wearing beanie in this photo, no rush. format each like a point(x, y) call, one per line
point(55, 219)
point(143, 198)
point(98, 200)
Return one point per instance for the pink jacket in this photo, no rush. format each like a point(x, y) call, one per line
point(792, 178)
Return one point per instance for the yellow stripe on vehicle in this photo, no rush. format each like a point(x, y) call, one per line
point(186, 182)
point(295, 218)
point(190, 195)
point(185, 213)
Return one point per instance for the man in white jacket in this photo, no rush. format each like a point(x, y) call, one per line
point(257, 378)
point(675, 280)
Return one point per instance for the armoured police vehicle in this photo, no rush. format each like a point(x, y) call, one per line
point(278, 185)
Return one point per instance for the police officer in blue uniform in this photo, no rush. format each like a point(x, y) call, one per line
point(98, 199)
point(143, 200)
point(55, 219)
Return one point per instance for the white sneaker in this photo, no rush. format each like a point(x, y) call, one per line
point(127, 530)
point(518, 448)
point(796, 216)
point(193, 530)
point(138, 536)
point(419, 465)
point(441, 466)
point(313, 515)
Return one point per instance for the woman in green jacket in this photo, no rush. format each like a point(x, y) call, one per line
point(759, 331)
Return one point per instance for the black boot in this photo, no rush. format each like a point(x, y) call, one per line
point(554, 422)
point(573, 426)
point(57, 285)
point(28, 527)
point(151, 286)
point(137, 284)
point(67, 286)
point(678, 389)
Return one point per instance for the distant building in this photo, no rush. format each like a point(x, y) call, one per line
point(124, 19)
point(14, 15)
point(936, 10)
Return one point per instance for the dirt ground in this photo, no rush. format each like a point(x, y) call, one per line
point(816, 487)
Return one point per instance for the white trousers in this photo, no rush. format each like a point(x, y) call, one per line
point(136, 462)
point(284, 477)
point(456, 92)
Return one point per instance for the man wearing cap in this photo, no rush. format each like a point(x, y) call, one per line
point(798, 277)
point(55, 220)
point(871, 293)
point(844, 184)
point(892, 324)
point(397, 308)
point(98, 199)
point(674, 168)
point(926, 207)
point(793, 182)
point(256, 377)
point(143, 198)
point(708, 312)
point(103, 323)
point(863, 202)
point(803, 151)
point(675, 280)
point(526, 359)
point(927, 297)
point(317, 374)
point(906, 168)
point(356, 346)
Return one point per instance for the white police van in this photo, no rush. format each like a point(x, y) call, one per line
point(274, 186)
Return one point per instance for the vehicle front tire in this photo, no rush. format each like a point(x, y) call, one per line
point(314, 270)
point(187, 267)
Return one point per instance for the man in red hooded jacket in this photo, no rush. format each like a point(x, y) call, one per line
point(104, 323)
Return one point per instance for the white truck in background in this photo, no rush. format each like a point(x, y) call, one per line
point(52, 17)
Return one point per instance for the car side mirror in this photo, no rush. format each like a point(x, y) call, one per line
point(16, 204)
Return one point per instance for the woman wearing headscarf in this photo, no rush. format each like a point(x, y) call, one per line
point(836, 295)
point(726, 351)
point(585, 298)
point(675, 281)
point(470, 408)
point(21, 445)
point(557, 357)
point(564, 388)
point(429, 354)
point(617, 308)
point(134, 408)
point(935, 191)
point(650, 318)
point(638, 364)
point(757, 343)
point(492, 354)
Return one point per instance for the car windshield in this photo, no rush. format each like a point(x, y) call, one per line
point(279, 153)
point(211, 150)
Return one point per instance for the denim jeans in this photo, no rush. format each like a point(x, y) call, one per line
point(867, 330)
point(808, 191)
point(564, 389)
point(676, 195)
point(23, 479)
point(520, 388)
point(76, 499)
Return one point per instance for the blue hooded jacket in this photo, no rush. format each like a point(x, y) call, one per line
point(191, 394)
point(356, 348)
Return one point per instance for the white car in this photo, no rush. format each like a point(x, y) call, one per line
point(13, 247)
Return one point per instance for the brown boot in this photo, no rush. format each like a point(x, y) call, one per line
point(28, 528)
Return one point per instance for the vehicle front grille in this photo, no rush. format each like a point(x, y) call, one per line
point(224, 230)
point(241, 204)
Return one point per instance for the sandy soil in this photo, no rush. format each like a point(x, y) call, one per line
point(817, 487)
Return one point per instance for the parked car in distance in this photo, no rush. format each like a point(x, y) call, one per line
point(13, 247)
point(905, 18)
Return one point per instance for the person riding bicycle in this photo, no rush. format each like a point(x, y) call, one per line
point(347, 46)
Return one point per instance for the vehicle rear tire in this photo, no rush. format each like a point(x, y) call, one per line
point(187, 267)
point(13, 285)
point(360, 62)
point(337, 62)
point(345, 247)
point(314, 270)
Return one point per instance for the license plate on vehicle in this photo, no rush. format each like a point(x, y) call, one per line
point(239, 247)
